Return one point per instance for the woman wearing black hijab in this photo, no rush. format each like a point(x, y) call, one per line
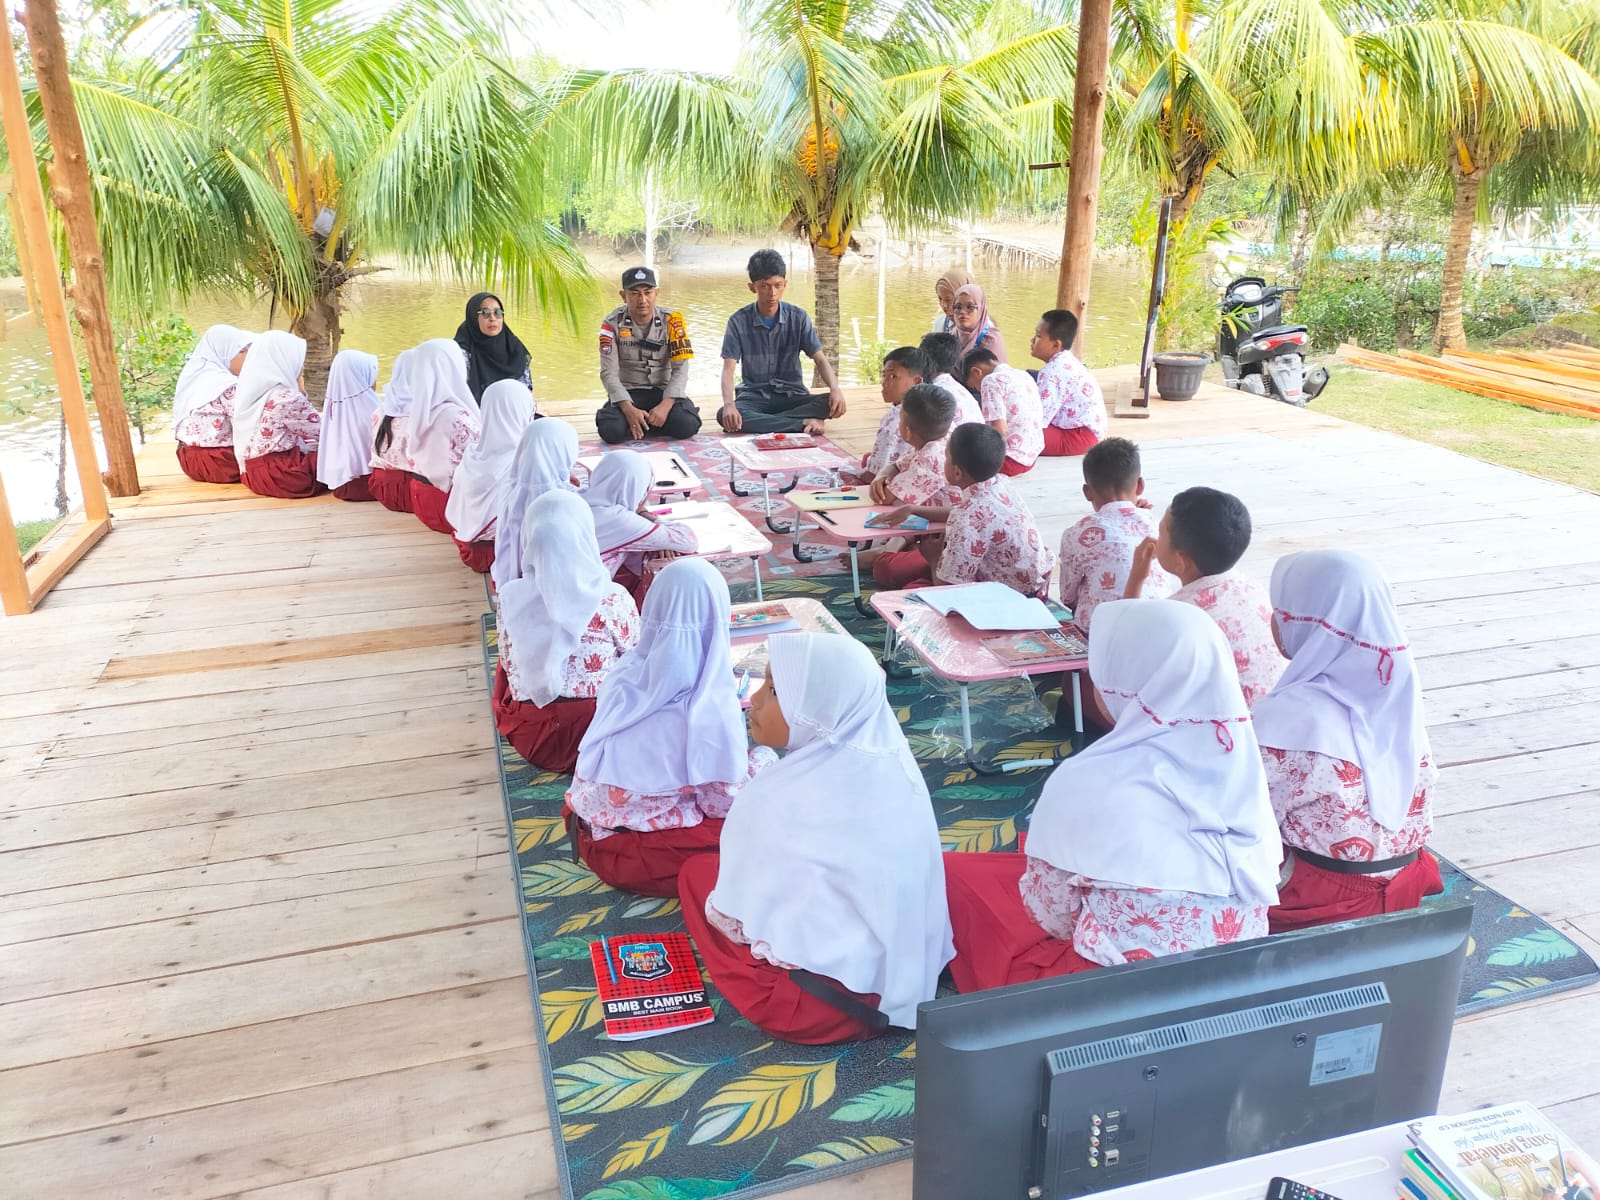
point(493, 351)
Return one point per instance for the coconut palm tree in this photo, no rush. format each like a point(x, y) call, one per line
point(926, 112)
point(286, 145)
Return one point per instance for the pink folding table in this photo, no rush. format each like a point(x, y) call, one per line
point(722, 527)
point(670, 473)
point(813, 617)
point(840, 515)
point(742, 452)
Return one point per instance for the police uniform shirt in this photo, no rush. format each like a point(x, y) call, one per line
point(655, 355)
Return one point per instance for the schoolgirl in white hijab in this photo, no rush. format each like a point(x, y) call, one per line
point(1158, 838)
point(390, 477)
point(209, 371)
point(276, 431)
point(617, 489)
point(202, 406)
point(345, 452)
point(1346, 742)
point(508, 410)
point(830, 859)
point(271, 371)
point(444, 418)
point(543, 462)
point(562, 626)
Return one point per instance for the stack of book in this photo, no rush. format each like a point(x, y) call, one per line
point(1506, 1153)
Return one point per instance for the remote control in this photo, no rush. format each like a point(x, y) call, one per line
point(1287, 1189)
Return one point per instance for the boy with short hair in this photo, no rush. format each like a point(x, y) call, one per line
point(918, 475)
point(943, 351)
point(1097, 553)
point(1010, 402)
point(1074, 406)
point(1204, 533)
point(903, 368)
point(989, 533)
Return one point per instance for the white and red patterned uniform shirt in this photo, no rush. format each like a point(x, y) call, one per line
point(991, 536)
point(288, 422)
point(1112, 924)
point(209, 424)
point(920, 478)
point(393, 456)
point(612, 632)
point(676, 536)
point(1071, 395)
point(1242, 611)
point(1097, 554)
point(463, 431)
point(887, 446)
point(1010, 395)
point(607, 809)
point(967, 410)
point(1321, 802)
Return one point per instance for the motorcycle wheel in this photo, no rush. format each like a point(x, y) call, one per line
point(1253, 384)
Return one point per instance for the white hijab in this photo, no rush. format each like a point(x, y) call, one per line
point(1351, 689)
point(1174, 797)
point(345, 451)
point(435, 376)
point(481, 477)
point(207, 375)
point(543, 462)
point(547, 609)
point(678, 681)
point(617, 487)
point(275, 361)
point(832, 856)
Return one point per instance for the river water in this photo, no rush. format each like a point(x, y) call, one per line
point(386, 313)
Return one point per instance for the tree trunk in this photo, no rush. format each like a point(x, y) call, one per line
point(63, 501)
point(69, 188)
point(827, 314)
point(320, 327)
point(1451, 332)
point(652, 218)
point(1302, 241)
point(1083, 169)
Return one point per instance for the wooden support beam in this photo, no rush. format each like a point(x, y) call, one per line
point(73, 196)
point(1083, 173)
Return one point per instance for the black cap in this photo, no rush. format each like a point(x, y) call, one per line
point(638, 277)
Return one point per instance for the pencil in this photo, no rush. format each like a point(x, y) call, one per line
point(611, 967)
point(682, 469)
point(824, 516)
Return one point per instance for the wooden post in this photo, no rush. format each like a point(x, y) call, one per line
point(1083, 171)
point(70, 189)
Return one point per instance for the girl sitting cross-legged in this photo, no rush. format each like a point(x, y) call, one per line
point(202, 405)
point(617, 492)
point(389, 480)
point(275, 428)
point(444, 422)
point(344, 456)
point(485, 472)
point(546, 454)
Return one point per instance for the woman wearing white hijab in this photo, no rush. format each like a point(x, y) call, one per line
point(543, 463)
point(623, 526)
point(390, 477)
point(1157, 839)
point(563, 624)
point(275, 428)
point(1346, 746)
point(344, 457)
point(823, 919)
point(444, 422)
point(202, 407)
point(665, 756)
point(485, 469)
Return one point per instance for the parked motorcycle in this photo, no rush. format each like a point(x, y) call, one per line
point(1260, 354)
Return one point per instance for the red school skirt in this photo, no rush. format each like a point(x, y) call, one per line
point(1317, 896)
point(765, 995)
point(428, 503)
point(1068, 443)
point(208, 464)
point(547, 737)
point(391, 488)
point(477, 555)
point(997, 940)
point(646, 863)
point(284, 475)
point(355, 490)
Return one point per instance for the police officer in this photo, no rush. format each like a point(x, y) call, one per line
point(644, 365)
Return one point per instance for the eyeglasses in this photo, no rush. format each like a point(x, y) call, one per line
point(963, 308)
point(496, 313)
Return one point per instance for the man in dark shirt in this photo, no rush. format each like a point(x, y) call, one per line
point(764, 341)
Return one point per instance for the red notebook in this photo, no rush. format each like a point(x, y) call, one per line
point(649, 984)
point(785, 441)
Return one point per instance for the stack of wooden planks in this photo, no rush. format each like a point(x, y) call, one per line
point(1563, 379)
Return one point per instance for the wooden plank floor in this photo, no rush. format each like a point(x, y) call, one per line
point(258, 932)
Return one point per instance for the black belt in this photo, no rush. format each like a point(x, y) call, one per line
point(846, 1002)
point(1344, 866)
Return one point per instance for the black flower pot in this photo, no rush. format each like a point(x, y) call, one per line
point(1178, 374)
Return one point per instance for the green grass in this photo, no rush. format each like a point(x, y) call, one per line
point(1550, 445)
point(30, 533)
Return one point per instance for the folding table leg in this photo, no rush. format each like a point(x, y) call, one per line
point(966, 722)
point(756, 562)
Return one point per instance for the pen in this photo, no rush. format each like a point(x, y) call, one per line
point(605, 946)
point(825, 517)
point(661, 512)
point(681, 468)
point(744, 682)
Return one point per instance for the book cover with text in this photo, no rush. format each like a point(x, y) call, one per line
point(649, 985)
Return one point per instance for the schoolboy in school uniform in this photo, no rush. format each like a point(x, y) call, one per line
point(1203, 535)
point(1074, 406)
point(917, 476)
point(989, 534)
point(944, 356)
point(1097, 552)
point(1010, 402)
point(903, 368)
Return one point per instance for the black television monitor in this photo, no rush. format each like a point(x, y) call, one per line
point(1073, 1085)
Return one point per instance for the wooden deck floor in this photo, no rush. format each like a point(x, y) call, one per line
point(258, 934)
